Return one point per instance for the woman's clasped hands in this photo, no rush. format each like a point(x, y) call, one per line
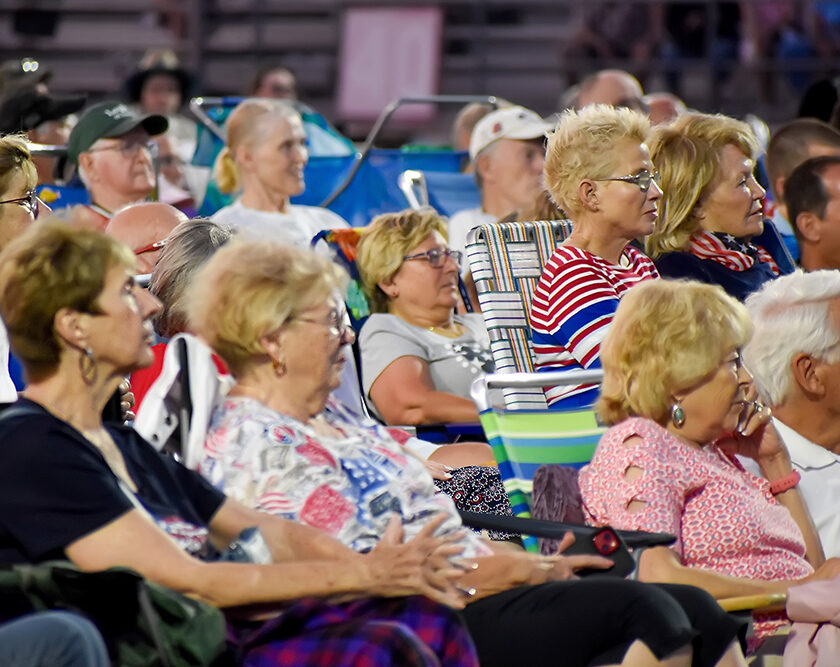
point(425, 565)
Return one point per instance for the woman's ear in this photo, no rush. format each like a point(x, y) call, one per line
point(389, 288)
point(243, 156)
point(71, 326)
point(588, 195)
point(272, 344)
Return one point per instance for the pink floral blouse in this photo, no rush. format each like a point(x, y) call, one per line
point(725, 518)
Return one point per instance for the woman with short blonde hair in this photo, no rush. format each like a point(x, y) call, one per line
point(419, 358)
point(263, 162)
point(581, 146)
point(386, 240)
point(680, 406)
point(711, 206)
point(598, 170)
point(264, 291)
point(642, 366)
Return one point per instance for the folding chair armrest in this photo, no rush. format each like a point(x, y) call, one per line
point(446, 433)
point(765, 603)
point(634, 539)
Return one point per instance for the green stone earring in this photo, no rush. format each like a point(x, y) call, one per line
point(677, 415)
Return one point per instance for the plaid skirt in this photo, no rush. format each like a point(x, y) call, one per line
point(371, 632)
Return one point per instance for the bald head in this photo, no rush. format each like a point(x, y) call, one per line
point(663, 107)
point(141, 225)
point(611, 86)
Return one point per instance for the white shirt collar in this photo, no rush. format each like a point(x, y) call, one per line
point(803, 452)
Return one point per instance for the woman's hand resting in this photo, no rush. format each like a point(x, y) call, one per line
point(421, 566)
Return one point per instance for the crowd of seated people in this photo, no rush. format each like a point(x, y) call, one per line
point(100, 496)
point(278, 443)
point(365, 558)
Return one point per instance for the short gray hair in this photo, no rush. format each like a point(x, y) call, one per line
point(791, 316)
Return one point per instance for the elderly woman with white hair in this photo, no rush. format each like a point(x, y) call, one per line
point(794, 357)
point(599, 171)
point(264, 160)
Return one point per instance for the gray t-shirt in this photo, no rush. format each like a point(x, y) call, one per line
point(453, 362)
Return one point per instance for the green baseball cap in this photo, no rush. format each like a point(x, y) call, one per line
point(110, 120)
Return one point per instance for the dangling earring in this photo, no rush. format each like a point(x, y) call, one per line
point(279, 367)
point(677, 415)
point(87, 365)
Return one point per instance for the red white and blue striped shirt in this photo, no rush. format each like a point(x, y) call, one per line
point(574, 303)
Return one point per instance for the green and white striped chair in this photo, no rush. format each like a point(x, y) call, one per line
point(525, 439)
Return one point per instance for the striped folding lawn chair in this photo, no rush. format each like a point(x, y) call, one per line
point(506, 260)
point(525, 439)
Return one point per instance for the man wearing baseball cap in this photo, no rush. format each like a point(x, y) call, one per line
point(507, 150)
point(111, 145)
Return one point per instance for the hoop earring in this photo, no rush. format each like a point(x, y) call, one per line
point(87, 365)
point(677, 415)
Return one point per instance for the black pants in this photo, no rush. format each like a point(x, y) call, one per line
point(593, 621)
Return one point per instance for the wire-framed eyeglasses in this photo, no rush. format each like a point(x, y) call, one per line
point(30, 201)
point(337, 322)
point(129, 148)
point(437, 256)
point(642, 179)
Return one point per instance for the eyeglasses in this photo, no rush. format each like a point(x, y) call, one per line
point(338, 321)
point(643, 179)
point(30, 201)
point(437, 256)
point(151, 247)
point(129, 148)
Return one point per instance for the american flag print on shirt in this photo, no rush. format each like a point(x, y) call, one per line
point(574, 303)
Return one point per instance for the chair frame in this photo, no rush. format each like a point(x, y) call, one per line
point(506, 260)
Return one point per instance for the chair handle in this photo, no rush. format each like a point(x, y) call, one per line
point(554, 529)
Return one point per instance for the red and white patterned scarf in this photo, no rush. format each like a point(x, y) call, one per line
point(725, 249)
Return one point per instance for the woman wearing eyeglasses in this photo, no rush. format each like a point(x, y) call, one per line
point(711, 208)
point(19, 207)
point(418, 357)
point(598, 170)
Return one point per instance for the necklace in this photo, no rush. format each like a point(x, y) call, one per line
point(454, 330)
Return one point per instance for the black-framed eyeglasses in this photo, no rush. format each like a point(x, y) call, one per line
point(129, 148)
point(337, 323)
point(642, 179)
point(437, 256)
point(30, 201)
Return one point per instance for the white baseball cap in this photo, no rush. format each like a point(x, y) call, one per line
point(507, 123)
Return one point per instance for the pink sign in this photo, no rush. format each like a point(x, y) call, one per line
point(386, 54)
